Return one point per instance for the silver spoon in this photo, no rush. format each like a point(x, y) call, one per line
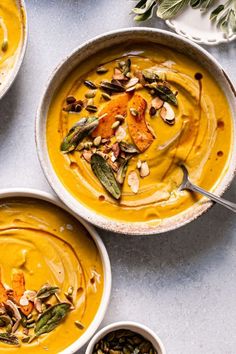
point(186, 184)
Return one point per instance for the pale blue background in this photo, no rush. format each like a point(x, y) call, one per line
point(181, 284)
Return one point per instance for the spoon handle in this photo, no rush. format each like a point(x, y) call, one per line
point(219, 200)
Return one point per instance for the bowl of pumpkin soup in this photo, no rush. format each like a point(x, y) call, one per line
point(13, 39)
point(55, 276)
point(119, 116)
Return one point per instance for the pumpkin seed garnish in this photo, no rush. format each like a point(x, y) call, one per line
point(125, 66)
point(97, 141)
point(90, 85)
point(104, 173)
point(134, 112)
point(9, 339)
point(51, 318)
point(124, 342)
point(115, 124)
point(46, 291)
point(111, 87)
point(79, 325)
point(149, 75)
point(90, 94)
point(101, 70)
point(70, 99)
point(105, 96)
point(91, 108)
point(152, 111)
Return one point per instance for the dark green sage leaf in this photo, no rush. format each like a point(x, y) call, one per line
point(51, 318)
point(104, 173)
point(77, 133)
point(46, 291)
point(165, 94)
point(9, 339)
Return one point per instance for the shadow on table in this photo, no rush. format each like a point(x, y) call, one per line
point(185, 252)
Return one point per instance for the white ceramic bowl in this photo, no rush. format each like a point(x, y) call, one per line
point(89, 49)
point(36, 194)
point(7, 84)
point(132, 326)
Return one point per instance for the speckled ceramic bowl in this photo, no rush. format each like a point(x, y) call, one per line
point(89, 49)
point(132, 326)
point(36, 194)
point(7, 84)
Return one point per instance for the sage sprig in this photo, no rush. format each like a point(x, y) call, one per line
point(78, 132)
point(8, 338)
point(51, 318)
point(104, 173)
point(224, 15)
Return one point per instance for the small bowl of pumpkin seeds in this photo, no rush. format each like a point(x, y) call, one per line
point(125, 338)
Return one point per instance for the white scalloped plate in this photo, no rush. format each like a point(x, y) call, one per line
point(196, 26)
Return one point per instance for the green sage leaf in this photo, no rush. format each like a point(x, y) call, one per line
point(51, 318)
point(77, 133)
point(9, 339)
point(165, 94)
point(104, 173)
point(143, 6)
point(170, 8)
point(46, 291)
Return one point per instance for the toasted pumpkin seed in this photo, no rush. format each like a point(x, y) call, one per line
point(90, 84)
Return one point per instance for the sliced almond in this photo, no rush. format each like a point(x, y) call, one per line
point(167, 114)
point(30, 294)
point(87, 155)
point(120, 133)
point(157, 103)
point(118, 75)
point(132, 82)
point(133, 181)
point(144, 169)
point(24, 301)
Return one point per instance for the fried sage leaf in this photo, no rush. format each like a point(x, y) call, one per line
point(128, 148)
point(9, 339)
point(104, 173)
point(46, 291)
point(164, 93)
point(51, 318)
point(78, 132)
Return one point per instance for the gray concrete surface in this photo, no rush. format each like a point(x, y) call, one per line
point(181, 284)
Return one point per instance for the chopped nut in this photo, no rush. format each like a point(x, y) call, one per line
point(116, 149)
